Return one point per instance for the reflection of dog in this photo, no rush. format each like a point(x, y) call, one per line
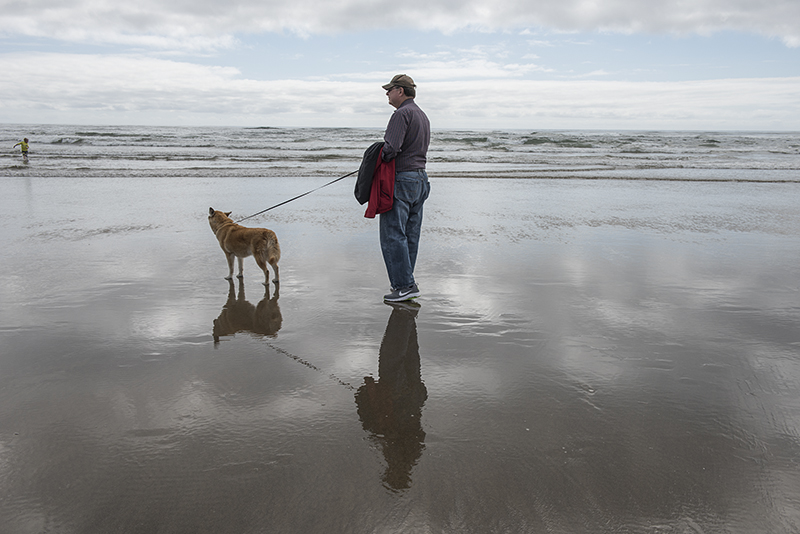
point(238, 315)
point(240, 242)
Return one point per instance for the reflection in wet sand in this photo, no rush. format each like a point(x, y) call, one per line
point(239, 315)
point(599, 356)
point(390, 409)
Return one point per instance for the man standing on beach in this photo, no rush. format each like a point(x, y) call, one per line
point(406, 141)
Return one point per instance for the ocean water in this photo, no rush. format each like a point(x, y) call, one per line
point(139, 151)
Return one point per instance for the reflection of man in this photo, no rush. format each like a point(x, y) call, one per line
point(406, 141)
point(390, 409)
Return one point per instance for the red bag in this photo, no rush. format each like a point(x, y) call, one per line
point(381, 195)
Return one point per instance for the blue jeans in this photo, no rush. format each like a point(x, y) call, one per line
point(400, 227)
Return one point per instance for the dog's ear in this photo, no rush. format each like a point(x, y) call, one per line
point(228, 213)
point(210, 211)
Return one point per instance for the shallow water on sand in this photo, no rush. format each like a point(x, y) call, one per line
point(588, 356)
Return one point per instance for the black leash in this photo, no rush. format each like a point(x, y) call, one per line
point(298, 196)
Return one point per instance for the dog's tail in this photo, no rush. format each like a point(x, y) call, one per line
point(270, 249)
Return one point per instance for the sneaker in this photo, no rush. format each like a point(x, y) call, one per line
point(399, 295)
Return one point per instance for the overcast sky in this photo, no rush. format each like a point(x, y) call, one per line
point(633, 64)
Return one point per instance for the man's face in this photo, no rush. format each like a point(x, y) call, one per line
point(396, 96)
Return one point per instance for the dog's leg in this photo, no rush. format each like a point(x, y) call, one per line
point(229, 257)
point(241, 267)
point(277, 279)
point(263, 266)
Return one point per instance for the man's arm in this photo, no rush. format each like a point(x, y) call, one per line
point(394, 136)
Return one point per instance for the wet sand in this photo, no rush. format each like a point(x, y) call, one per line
point(587, 356)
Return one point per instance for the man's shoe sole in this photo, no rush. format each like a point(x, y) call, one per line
point(411, 295)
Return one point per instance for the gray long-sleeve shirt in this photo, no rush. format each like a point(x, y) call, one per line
point(407, 137)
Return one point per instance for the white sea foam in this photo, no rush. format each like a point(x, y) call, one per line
point(143, 151)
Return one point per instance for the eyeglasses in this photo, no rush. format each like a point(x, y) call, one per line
point(389, 90)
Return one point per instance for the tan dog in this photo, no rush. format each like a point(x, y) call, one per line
point(240, 242)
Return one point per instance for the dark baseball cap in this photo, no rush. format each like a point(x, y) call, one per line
point(402, 80)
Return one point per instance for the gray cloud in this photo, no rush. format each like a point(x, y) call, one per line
point(203, 24)
point(82, 89)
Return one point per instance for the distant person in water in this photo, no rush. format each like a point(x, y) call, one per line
point(23, 145)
